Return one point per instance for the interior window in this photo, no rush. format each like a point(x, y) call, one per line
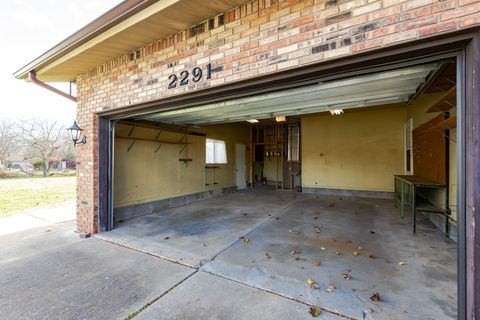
point(216, 152)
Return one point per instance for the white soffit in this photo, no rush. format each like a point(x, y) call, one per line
point(381, 88)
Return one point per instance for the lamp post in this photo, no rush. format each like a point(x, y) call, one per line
point(75, 132)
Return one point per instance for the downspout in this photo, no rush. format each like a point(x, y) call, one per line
point(32, 76)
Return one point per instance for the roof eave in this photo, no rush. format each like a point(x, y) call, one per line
point(109, 19)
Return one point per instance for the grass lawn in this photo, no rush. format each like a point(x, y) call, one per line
point(17, 195)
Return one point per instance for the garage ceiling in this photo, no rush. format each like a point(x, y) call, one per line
point(381, 88)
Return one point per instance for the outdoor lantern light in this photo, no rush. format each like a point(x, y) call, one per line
point(75, 132)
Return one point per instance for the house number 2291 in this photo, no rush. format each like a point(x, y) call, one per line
point(185, 76)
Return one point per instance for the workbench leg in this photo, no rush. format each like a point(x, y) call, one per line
point(414, 209)
point(402, 197)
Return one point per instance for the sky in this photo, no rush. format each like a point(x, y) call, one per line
point(28, 29)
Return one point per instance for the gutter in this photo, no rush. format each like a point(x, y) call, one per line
point(106, 21)
point(32, 76)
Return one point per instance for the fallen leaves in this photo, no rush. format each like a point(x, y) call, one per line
point(372, 257)
point(330, 288)
point(312, 284)
point(345, 276)
point(338, 253)
point(317, 229)
point(323, 248)
point(402, 263)
point(246, 240)
point(293, 252)
point(267, 255)
point(315, 312)
point(375, 297)
point(355, 253)
point(316, 263)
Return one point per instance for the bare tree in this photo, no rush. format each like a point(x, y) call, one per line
point(42, 140)
point(8, 140)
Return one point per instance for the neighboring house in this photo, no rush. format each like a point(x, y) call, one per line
point(323, 97)
point(24, 165)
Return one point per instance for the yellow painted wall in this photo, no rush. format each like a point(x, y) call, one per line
point(359, 150)
point(143, 176)
point(418, 109)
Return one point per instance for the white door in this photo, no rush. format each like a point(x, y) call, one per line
point(240, 166)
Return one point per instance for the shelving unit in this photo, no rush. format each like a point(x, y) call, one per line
point(445, 102)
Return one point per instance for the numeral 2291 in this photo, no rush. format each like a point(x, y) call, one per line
point(185, 76)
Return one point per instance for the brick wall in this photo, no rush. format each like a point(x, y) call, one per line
point(260, 37)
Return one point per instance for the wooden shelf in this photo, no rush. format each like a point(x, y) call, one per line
point(445, 102)
point(449, 123)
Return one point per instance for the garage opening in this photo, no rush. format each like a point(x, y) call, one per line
point(340, 193)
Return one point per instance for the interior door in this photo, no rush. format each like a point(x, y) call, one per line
point(240, 166)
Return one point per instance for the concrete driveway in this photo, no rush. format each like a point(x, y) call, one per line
point(48, 272)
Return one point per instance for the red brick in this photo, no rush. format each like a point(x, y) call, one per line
point(383, 31)
point(461, 12)
point(377, 43)
point(439, 28)
point(301, 21)
point(469, 21)
point(413, 4)
point(415, 24)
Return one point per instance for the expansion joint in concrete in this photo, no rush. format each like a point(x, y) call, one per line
point(145, 252)
point(249, 231)
point(136, 313)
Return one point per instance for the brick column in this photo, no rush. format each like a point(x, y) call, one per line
point(87, 171)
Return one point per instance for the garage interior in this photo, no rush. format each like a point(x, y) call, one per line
point(326, 193)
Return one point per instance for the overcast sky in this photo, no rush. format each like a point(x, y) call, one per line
point(28, 29)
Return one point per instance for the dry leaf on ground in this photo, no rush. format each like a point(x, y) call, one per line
point(312, 284)
point(315, 312)
point(330, 289)
point(346, 276)
point(316, 263)
point(375, 297)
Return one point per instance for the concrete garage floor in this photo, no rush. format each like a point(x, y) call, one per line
point(271, 241)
